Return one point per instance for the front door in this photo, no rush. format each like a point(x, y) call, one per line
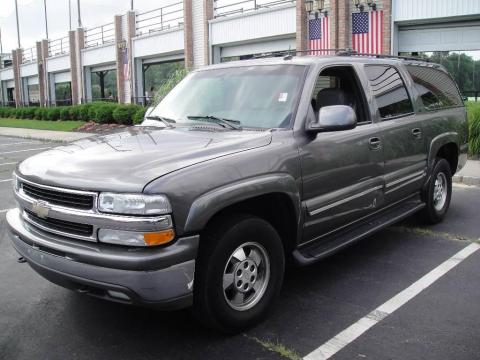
point(342, 170)
point(403, 140)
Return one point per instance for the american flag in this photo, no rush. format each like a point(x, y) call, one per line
point(367, 32)
point(318, 35)
point(125, 63)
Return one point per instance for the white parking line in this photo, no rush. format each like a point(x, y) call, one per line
point(10, 163)
point(22, 143)
point(345, 337)
point(17, 151)
point(5, 180)
point(4, 211)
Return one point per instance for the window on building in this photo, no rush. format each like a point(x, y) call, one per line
point(155, 75)
point(63, 93)
point(33, 94)
point(389, 91)
point(104, 85)
point(436, 89)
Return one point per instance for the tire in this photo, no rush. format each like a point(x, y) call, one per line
point(259, 272)
point(438, 199)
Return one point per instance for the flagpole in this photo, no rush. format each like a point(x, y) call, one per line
point(1, 45)
point(46, 19)
point(70, 14)
point(79, 14)
point(18, 27)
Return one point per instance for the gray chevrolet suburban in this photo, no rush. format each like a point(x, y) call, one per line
point(242, 168)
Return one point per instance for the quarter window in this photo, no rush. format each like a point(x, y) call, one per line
point(389, 91)
point(435, 87)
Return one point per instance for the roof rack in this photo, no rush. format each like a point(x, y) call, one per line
point(350, 52)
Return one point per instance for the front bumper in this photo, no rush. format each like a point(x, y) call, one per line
point(160, 277)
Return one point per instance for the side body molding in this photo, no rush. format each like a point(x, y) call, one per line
point(208, 204)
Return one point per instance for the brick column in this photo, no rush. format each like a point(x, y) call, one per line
point(80, 42)
point(121, 47)
point(41, 72)
point(343, 24)
point(45, 55)
point(208, 12)
point(188, 33)
point(73, 67)
point(301, 27)
point(387, 18)
point(332, 17)
point(17, 61)
point(131, 32)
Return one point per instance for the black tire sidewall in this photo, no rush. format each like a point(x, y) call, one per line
point(247, 229)
point(434, 215)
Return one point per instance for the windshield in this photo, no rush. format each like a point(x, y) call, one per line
point(251, 96)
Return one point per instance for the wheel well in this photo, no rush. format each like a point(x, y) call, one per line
point(276, 208)
point(449, 152)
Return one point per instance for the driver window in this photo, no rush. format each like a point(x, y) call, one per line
point(339, 86)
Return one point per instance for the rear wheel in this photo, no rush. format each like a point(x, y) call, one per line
point(438, 192)
point(239, 273)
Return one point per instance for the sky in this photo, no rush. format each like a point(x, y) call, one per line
point(32, 24)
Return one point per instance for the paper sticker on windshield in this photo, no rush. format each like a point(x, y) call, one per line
point(283, 97)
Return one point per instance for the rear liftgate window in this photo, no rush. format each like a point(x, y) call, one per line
point(389, 91)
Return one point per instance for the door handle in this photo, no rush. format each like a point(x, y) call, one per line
point(417, 133)
point(375, 143)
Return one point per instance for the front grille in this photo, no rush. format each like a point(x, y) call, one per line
point(63, 226)
point(67, 199)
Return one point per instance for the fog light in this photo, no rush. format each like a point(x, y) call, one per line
point(133, 238)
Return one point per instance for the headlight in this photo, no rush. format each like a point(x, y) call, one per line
point(135, 204)
point(132, 238)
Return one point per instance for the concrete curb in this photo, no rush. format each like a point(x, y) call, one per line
point(45, 135)
point(466, 180)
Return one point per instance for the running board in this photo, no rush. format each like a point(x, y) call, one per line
point(318, 250)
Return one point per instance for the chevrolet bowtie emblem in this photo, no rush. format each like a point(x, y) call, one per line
point(40, 209)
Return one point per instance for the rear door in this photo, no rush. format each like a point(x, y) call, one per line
point(403, 140)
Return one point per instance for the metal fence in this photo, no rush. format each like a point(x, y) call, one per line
point(103, 34)
point(29, 55)
point(164, 18)
point(59, 46)
point(227, 8)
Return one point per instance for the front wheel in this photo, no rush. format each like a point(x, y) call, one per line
point(239, 273)
point(438, 192)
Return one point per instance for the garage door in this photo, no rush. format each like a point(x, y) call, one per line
point(439, 37)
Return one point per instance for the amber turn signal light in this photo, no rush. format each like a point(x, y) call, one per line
point(159, 238)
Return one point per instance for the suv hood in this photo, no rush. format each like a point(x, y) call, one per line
point(126, 161)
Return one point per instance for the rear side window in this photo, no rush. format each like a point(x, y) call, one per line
point(436, 89)
point(389, 91)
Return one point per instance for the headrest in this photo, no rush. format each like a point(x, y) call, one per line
point(332, 96)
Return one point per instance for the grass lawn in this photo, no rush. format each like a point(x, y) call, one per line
point(41, 124)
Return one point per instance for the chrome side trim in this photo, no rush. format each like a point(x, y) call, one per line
point(343, 201)
point(405, 184)
point(405, 178)
point(27, 218)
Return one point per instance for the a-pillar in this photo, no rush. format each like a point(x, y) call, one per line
point(17, 56)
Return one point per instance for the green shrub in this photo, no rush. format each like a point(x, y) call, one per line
point(104, 113)
point(53, 113)
point(473, 110)
point(139, 115)
point(65, 113)
point(123, 114)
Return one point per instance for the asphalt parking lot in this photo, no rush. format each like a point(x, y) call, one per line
point(39, 320)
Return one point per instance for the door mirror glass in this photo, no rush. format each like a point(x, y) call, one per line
point(334, 118)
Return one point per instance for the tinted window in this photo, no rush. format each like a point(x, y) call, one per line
point(389, 91)
point(436, 89)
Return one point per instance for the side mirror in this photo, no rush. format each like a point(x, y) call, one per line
point(334, 118)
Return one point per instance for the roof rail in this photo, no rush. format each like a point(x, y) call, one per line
point(350, 52)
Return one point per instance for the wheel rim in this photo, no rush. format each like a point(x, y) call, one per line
point(440, 191)
point(246, 276)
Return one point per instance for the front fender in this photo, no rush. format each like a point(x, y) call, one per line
point(210, 203)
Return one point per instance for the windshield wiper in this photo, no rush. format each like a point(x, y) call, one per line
point(168, 122)
point(232, 124)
